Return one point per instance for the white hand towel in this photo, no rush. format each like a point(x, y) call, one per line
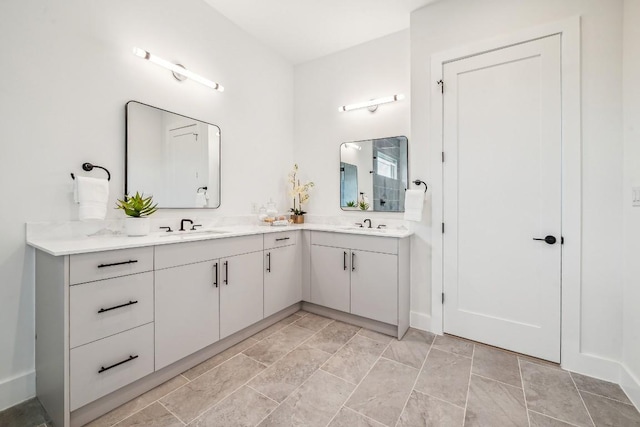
point(201, 199)
point(413, 204)
point(92, 194)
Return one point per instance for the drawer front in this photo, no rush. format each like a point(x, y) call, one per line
point(106, 365)
point(385, 245)
point(283, 238)
point(107, 307)
point(105, 265)
point(177, 254)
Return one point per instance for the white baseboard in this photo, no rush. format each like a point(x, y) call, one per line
point(592, 366)
point(17, 389)
point(631, 385)
point(420, 321)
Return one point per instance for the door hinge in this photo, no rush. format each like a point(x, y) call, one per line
point(441, 83)
point(443, 228)
point(443, 297)
point(443, 157)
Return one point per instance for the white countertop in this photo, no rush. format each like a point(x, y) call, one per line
point(58, 246)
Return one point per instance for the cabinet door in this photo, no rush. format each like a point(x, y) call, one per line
point(374, 286)
point(282, 286)
point(241, 292)
point(330, 277)
point(186, 311)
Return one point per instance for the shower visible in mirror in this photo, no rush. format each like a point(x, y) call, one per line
point(376, 170)
point(172, 157)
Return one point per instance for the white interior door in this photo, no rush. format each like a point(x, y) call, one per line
point(502, 188)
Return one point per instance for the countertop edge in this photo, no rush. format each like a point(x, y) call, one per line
point(74, 246)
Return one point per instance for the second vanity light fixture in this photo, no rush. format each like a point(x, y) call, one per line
point(372, 105)
point(179, 72)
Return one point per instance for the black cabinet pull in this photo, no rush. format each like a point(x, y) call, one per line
point(282, 238)
point(344, 260)
point(353, 261)
point(102, 310)
point(226, 273)
point(215, 275)
point(269, 262)
point(102, 368)
point(131, 261)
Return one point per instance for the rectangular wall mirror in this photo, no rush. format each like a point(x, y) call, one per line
point(172, 157)
point(377, 170)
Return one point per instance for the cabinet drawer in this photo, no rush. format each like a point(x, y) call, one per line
point(283, 238)
point(107, 307)
point(105, 265)
point(386, 245)
point(177, 254)
point(106, 365)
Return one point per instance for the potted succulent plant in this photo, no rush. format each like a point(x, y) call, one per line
point(137, 208)
point(351, 205)
point(300, 193)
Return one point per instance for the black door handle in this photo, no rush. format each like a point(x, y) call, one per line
point(353, 261)
point(549, 240)
point(344, 260)
point(269, 262)
point(226, 272)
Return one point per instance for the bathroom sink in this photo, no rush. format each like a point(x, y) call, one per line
point(193, 233)
point(364, 229)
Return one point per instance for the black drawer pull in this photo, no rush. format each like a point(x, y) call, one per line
point(131, 261)
point(102, 310)
point(282, 238)
point(102, 368)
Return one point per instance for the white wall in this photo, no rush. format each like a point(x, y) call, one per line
point(67, 72)
point(631, 104)
point(453, 23)
point(371, 70)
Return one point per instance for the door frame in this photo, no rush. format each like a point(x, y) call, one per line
point(569, 30)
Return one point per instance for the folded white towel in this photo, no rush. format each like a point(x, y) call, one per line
point(92, 194)
point(413, 204)
point(201, 199)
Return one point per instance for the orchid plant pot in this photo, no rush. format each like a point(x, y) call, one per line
point(297, 219)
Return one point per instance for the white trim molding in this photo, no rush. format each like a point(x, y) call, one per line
point(572, 357)
point(630, 384)
point(17, 389)
point(420, 321)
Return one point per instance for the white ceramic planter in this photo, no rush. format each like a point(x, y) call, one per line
point(137, 226)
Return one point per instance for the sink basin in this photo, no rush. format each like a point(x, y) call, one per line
point(364, 229)
point(193, 233)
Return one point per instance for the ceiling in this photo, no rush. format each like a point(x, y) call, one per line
point(302, 30)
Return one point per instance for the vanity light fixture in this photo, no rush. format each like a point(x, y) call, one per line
point(372, 105)
point(179, 72)
point(353, 146)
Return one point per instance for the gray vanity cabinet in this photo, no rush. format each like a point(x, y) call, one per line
point(374, 290)
point(282, 271)
point(330, 277)
point(241, 292)
point(186, 310)
point(367, 276)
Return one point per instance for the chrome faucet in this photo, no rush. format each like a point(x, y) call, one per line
point(182, 221)
point(365, 221)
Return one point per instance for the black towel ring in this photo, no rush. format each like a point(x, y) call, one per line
point(420, 182)
point(89, 167)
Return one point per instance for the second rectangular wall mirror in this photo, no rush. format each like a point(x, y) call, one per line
point(172, 157)
point(377, 170)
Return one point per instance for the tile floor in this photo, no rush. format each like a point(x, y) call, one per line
point(308, 370)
